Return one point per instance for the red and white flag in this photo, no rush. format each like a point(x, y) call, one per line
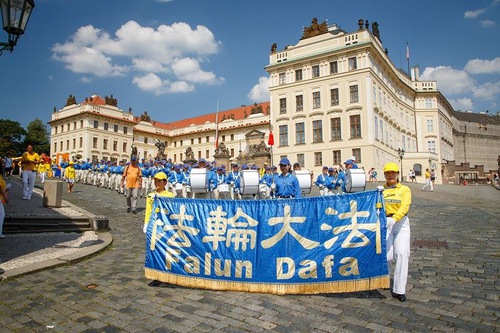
point(271, 139)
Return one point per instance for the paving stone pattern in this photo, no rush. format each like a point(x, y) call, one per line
point(449, 290)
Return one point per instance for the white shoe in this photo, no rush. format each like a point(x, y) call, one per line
point(2, 236)
point(25, 197)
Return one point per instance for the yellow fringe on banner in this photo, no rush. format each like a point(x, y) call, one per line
point(278, 289)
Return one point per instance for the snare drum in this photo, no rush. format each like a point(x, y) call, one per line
point(249, 182)
point(355, 180)
point(223, 188)
point(304, 178)
point(199, 180)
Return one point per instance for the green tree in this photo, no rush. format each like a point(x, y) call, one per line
point(11, 138)
point(38, 136)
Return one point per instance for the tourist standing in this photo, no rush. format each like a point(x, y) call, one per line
point(132, 178)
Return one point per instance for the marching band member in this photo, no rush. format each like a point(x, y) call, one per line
point(267, 181)
point(332, 187)
point(146, 179)
point(219, 181)
point(287, 184)
point(397, 200)
point(177, 181)
point(321, 181)
point(187, 188)
point(231, 179)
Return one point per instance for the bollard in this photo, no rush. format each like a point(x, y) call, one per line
point(52, 193)
point(101, 223)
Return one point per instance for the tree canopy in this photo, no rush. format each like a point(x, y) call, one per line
point(38, 136)
point(12, 136)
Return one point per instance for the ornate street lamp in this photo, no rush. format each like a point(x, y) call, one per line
point(401, 154)
point(15, 16)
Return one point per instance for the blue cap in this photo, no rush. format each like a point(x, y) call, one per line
point(331, 169)
point(220, 168)
point(177, 167)
point(349, 162)
point(133, 158)
point(244, 167)
point(284, 161)
point(202, 160)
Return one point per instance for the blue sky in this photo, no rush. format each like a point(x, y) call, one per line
point(179, 58)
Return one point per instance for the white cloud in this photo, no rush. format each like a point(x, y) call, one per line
point(471, 14)
point(154, 84)
point(487, 91)
point(260, 92)
point(449, 80)
point(487, 23)
point(479, 66)
point(168, 57)
point(463, 104)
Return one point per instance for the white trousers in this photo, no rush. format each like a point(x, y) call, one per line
point(28, 183)
point(428, 185)
point(398, 250)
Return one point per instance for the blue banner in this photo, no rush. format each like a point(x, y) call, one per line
point(309, 245)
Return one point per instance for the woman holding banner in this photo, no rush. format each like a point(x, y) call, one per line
point(397, 200)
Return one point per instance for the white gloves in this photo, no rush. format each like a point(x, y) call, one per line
point(145, 228)
point(273, 186)
point(380, 188)
point(390, 223)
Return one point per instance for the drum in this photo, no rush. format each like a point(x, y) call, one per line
point(355, 180)
point(178, 187)
point(199, 180)
point(249, 182)
point(304, 178)
point(223, 188)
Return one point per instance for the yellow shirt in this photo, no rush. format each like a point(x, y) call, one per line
point(397, 201)
point(427, 175)
point(70, 172)
point(27, 161)
point(150, 200)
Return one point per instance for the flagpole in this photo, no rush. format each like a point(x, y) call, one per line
point(408, 57)
point(217, 126)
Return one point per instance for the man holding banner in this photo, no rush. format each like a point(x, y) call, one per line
point(397, 199)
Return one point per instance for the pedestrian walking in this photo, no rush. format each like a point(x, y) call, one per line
point(70, 176)
point(428, 182)
point(397, 200)
point(132, 179)
point(29, 165)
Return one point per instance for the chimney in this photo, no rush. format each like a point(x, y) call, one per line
point(417, 72)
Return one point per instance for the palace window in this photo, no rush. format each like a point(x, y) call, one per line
point(300, 137)
point(317, 131)
point(334, 95)
point(353, 64)
point(299, 102)
point(298, 75)
point(336, 131)
point(283, 134)
point(282, 105)
point(355, 126)
point(353, 91)
point(315, 71)
point(334, 67)
point(316, 100)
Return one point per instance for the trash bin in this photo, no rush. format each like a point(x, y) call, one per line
point(52, 193)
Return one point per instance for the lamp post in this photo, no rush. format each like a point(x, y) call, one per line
point(401, 154)
point(15, 16)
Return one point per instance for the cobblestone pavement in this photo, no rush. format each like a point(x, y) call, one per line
point(454, 289)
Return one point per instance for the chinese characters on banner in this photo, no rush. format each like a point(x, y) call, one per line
point(309, 245)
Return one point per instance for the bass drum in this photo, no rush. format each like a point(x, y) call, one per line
point(249, 182)
point(304, 178)
point(199, 180)
point(355, 180)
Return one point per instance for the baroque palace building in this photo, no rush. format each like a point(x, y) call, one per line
point(97, 129)
point(337, 94)
point(333, 95)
